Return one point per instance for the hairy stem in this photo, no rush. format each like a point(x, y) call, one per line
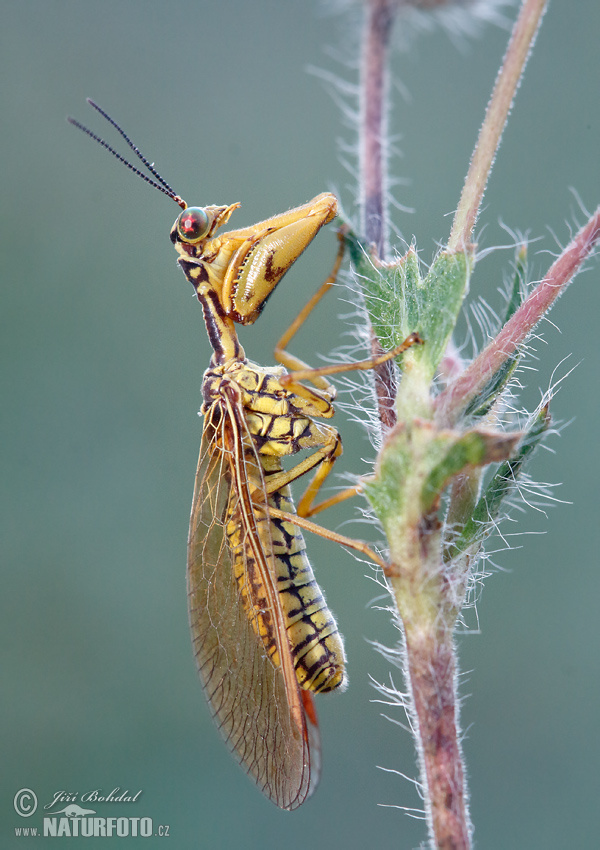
point(373, 124)
point(520, 44)
point(436, 444)
point(373, 170)
point(432, 671)
point(453, 400)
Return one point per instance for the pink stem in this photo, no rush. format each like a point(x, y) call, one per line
point(432, 672)
point(373, 166)
point(373, 169)
point(453, 400)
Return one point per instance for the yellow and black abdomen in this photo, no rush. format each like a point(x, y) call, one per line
point(316, 645)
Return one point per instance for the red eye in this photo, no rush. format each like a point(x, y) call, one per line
point(193, 224)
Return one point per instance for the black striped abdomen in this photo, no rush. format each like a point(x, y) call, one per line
point(315, 644)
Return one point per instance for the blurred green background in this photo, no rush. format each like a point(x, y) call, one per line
point(103, 353)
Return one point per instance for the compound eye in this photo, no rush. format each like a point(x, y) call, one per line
point(193, 224)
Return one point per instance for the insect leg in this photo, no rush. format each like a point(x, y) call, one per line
point(309, 374)
point(348, 542)
point(290, 361)
point(328, 446)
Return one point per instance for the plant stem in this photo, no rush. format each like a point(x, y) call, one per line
point(373, 124)
point(430, 658)
point(373, 171)
point(453, 400)
point(521, 42)
point(432, 670)
point(429, 442)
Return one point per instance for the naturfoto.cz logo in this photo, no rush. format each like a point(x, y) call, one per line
point(73, 820)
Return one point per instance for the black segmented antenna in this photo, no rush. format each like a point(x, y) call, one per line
point(161, 185)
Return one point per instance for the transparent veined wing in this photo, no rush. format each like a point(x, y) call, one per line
point(266, 720)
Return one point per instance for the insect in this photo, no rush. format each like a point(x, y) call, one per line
point(263, 637)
